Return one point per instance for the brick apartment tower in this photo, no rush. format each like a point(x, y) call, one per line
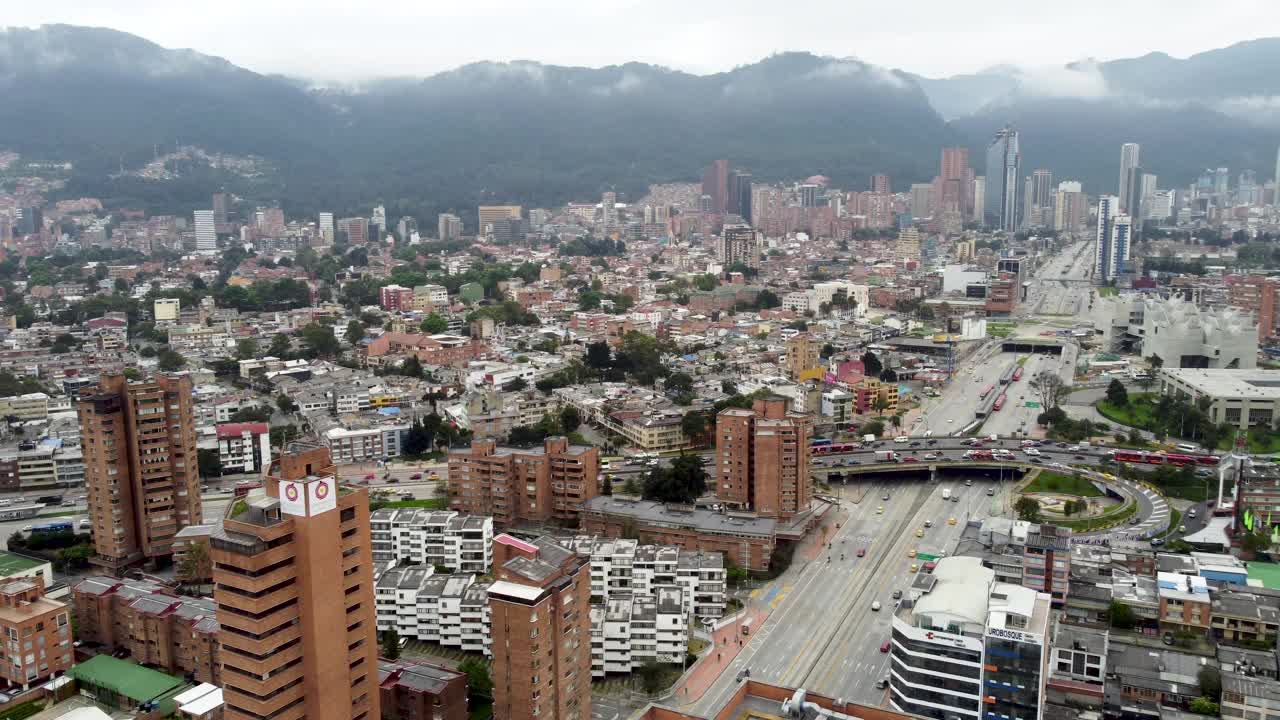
point(547, 484)
point(763, 458)
point(541, 630)
point(293, 579)
point(140, 467)
point(41, 625)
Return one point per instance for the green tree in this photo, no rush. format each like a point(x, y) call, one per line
point(246, 349)
point(684, 482)
point(411, 366)
point(694, 425)
point(678, 383)
point(1156, 362)
point(880, 404)
point(280, 346)
point(570, 420)
point(196, 565)
point(1205, 706)
point(728, 387)
point(871, 366)
point(1210, 679)
point(1027, 509)
point(391, 644)
point(285, 404)
point(170, 360)
point(599, 356)
point(652, 676)
point(1121, 615)
point(355, 333)
point(434, 324)
point(209, 462)
point(479, 684)
point(320, 341)
point(515, 385)
point(875, 427)
point(1117, 395)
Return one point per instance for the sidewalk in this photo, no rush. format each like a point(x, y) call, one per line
point(728, 641)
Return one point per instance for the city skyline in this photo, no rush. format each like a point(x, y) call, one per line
point(761, 31)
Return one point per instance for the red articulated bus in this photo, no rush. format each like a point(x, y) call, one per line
point(999, 403)
point(1177, 460)
point(986, 391)
point(1017, 374)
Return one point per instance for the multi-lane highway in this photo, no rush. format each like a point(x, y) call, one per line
point(1062, 285)
point(823, 634)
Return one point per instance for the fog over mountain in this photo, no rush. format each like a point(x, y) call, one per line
point(543, 134)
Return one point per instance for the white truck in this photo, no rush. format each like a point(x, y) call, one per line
point(868, 438)
point(886, 456)
point(946, 493)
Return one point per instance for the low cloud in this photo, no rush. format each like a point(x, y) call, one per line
point(1083, 81)
point(851, 68)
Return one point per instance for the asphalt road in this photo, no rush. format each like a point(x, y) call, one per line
point(823, 634)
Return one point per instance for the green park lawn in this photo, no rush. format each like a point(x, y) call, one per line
point(1138, 413)
point(1051, 482)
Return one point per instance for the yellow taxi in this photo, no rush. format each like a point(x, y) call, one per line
point(880, 510)
point(951, 521)
point(919, 533)
point(915, 567)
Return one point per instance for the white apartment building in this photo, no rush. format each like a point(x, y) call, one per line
point(425, 296)
point(365, 444)
point(628, 632)
point(462, 543)
point(450, 610)
point(244, 447)
point(625, 568)
point(206, 230)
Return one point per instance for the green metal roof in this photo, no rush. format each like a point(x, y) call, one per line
point(11, 563)
point(1266, 573)
point(125, 678)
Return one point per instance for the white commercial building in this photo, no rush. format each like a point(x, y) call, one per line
point(166, 309)
point(1240, 398)
point(444, 538)
point(365, 444)
point(965, 646)
point(1185, 336)
point(206, 230)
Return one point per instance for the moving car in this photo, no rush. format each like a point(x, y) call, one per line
point(880, 510)
point(951, 521)
point(862, 552)
point(370, 476)
point(897, 594)
point(875, 606)
point(991, 492)
point(915, 567)
point(919, 533)
point(928, 523)
point(416, 476)
point(884, 646)
point(882, 683)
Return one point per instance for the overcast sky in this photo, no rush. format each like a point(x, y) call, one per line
point(331, 40)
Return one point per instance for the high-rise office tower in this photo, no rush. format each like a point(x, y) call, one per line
point(1275, 200)
point(1133, 190)
point(763, 456)
point(954, 189)
point(140, 467)
point(30, 221)
point(378, 219)
point(880, 183)
point(293, 578)
point(221, 203)
point(448, 227)
point(325, 226)
point(609, 208)
point(406, 228)
point(1004, 163)
point(540, 628)
point(908, 246)
point(1130, 157)
point(808, 195)
point(1038, 200)
point(979, 197)
point(206, 230)
point(923, 202)
point(1112, 238)
point(740, 194)
point(739, 244)
point(356, 228)
point(715, 184)
point(1221, 180)
point(489, 214)
point(1070, 207)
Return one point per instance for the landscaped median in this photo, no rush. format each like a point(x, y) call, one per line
point(1050, 482)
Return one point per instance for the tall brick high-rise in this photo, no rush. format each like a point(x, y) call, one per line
point(139, 445)
point(540, 624)
point(293, 578)
point(762, 455)
point(715, 184)
point(547, 484)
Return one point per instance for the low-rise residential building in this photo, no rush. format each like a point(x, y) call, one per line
point(176, 633)
point(1078, 666)
point(37, 631)
point(1184, 603)
point(450, 610)
point(442, 538)
point(415, 690)
point(367, 443)
point(746, 540)
point(1247, 697)
point(1244, 617)
point(28, 407)
point(244, 447)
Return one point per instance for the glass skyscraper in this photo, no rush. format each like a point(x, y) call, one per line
point(1004, 177)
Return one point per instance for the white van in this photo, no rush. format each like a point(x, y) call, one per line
point(1187, 447)
point(901, 439)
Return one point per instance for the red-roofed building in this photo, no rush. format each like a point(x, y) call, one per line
point(244, 447)
point(421, 691)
